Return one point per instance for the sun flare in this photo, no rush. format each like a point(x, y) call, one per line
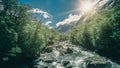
point(86, 5)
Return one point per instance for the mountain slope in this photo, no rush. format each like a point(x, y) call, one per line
point(100, 5)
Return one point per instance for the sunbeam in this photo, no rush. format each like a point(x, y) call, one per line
point(85, 5)
point(82, 7)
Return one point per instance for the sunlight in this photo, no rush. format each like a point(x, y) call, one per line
point(82, 6)
point(85, 5)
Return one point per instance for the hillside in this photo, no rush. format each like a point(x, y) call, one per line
point(99, 5)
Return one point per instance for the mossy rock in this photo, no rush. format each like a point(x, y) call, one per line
point(97, 62)
point(69, 50)
point(48, 49)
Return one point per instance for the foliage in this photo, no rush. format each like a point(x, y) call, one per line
point(63, 37)
point(100, 33)
point(22, 37)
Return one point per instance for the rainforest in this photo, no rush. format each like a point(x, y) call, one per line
point(90, 39)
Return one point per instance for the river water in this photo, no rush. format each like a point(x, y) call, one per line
point(66, 55)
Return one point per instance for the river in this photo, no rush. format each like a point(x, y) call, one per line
point(67, 55)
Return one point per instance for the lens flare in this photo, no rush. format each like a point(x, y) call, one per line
point(82, 6)
point(86, 5)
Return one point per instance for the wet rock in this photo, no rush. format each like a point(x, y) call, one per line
point(48, 58)
point(49, 61)
point(97, 62)
point(65, 63)
point(48, 49)
point(69, 66)
point(41, 65)
point(99, 65)
point(69, 50)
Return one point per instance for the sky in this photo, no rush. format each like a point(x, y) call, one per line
point(53, 12)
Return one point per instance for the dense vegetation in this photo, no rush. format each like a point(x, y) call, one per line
point(22, 37)
point(100, 33)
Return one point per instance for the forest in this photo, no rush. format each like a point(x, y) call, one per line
point(23, 37)
point(100, 33)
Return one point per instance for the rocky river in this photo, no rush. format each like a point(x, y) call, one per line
point(66, 55)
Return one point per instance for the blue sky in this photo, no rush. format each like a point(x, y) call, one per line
point(58, 10)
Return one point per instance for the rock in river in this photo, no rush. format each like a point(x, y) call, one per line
point(97, 62)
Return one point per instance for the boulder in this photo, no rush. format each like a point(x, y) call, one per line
point(48, 57)
point(41, 65)
point(48, 49)
point(99, 65)
point(69, 66)
point(65, 63)
point(97, 62)
point(69, 50)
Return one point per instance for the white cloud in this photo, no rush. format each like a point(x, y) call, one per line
point(48, 23)
point(37, 10)
point(71, 19)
